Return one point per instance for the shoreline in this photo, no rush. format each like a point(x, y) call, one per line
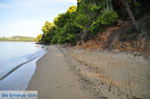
point(19, 79)
point(17, 64)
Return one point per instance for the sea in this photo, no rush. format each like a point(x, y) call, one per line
point(18, 63)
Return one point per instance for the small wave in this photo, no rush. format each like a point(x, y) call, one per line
point(11, 66)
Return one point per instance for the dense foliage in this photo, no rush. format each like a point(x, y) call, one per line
point(90, 17)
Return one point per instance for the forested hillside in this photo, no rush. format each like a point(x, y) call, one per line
point(94, 17)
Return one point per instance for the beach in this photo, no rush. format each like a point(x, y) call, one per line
point(73, 73)
point(54, 80)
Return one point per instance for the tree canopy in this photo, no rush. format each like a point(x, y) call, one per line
point(90, 17)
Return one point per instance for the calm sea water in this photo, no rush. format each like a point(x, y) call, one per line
point(17, 63)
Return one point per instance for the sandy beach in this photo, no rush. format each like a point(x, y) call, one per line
point(54, 80)
point(73, 73)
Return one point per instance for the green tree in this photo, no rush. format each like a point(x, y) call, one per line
point(48, 32)
point(65, 29)
point(38, 38)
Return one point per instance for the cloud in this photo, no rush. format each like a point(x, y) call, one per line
point(26, 17)
point(2, 5)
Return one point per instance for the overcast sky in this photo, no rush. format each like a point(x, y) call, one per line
point(26, 17)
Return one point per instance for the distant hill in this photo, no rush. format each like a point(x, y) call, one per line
point(18, 39)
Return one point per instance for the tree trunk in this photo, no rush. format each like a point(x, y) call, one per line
point(131, 16)
point(109, 4)
point(84, 35)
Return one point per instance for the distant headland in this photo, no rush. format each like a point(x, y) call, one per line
point(18, 39)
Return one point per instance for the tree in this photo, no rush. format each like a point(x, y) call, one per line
point(48, 32)
point(72, 9)
point(47, 27)
point(130, 14)
point(38, 38)
point(65, 29)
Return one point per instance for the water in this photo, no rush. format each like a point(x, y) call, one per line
point(17, 63)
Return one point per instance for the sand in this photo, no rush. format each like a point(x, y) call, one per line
point(54, 80)
point(73, 73)
point(111, 74)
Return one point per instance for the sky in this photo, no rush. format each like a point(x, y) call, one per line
point(26, 17)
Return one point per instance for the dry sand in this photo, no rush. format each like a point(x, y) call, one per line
point(54, 80)
point(111, 74)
